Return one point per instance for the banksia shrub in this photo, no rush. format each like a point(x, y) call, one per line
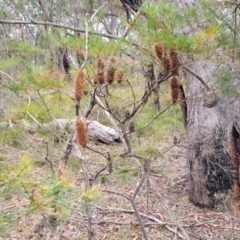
point(100, 77)
point(175, 90)
point(79, 83)
point(81, 132)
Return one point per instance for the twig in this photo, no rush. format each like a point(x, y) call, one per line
point(111, 118)
point(133, 94)
point(154, 118)
point(109, 165)
point(87, 184)
point(8, 76)
point(86, 45)
point(198, 77)
point(101, 170)
point(45, 107)
point(164, 77)
point(152, 218)
point(97, 10)
point(168, 209)
point(34, 119)
point(46, 158)
point(117, 193)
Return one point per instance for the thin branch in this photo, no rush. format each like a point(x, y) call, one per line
point(46, 158)
point(34, 119)
point(164, 77)
point(197, 76)
point(101, 170)
point(152, 218)
point(42, 23)
point(97, 10)
point(133, 94)
point(117, 193)
point(8, 76)
point(86, 45)
point(154, 118)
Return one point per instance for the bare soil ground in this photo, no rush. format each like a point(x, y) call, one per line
point(112, 214)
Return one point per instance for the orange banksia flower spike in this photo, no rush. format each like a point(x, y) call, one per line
point(175, 91)
point(79, 84)
point(110, 75)
point(81, 132)
point(100, 77)
point(159, 50)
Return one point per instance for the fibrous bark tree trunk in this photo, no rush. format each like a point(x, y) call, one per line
point(213, 136)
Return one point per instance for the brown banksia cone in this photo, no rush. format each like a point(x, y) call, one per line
point(175, 61)
point(79, 84)
point(120, 76)
point(81, 132)
point(175, 90)
point(167, 63)
point(159, 50)
point(110, 74)
point(100, 77)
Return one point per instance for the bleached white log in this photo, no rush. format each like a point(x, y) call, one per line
point(96, 130)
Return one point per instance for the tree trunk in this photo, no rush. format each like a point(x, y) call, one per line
point(213, 136)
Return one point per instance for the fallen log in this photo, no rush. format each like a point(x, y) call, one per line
point(96, 131)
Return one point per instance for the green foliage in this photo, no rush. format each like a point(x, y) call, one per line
point(90, 193)
point(12, 135)
point(24, 48)
point(41, 77)
point(36, 111)
point(15, 86)
point(125, 173)
point(9, 63)
point(100, 48)
point(148, 150)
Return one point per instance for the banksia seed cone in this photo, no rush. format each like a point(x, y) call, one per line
point(175, 61)
point(159, 50)
point(81, 132)
point(167, 63)
point(100, 77)
point(79, 83)
point(120, 76)
point(110, 75)
point(175, 91)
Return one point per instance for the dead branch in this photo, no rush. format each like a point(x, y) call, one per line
point(43, 23)
point(152, 218)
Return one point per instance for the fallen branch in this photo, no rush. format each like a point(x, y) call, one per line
point(152, 218)
point(96, 130)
